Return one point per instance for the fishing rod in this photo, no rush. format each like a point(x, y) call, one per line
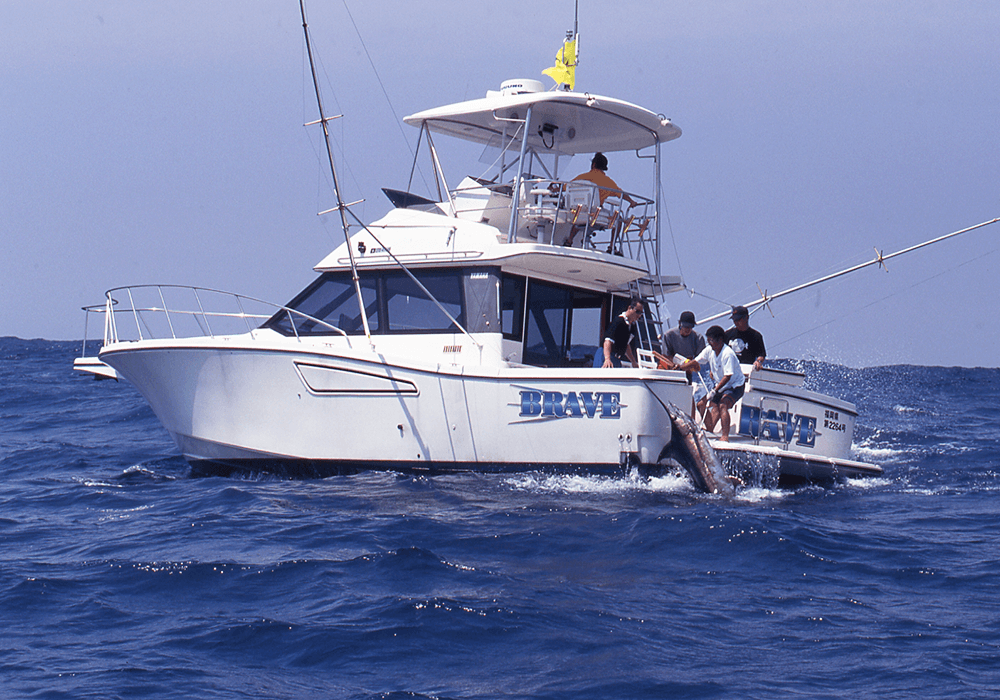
point(765, 299)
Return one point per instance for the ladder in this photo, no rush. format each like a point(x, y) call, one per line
point(650, 328)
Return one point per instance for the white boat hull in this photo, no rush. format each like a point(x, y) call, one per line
point(807, 434)
point(337, 409)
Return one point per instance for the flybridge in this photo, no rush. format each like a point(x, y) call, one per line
point(525, 197)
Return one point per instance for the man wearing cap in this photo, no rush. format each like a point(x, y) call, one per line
point(681, 344)
point(683, 340)
point(747, 343)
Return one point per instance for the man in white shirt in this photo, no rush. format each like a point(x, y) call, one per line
point(727, 376)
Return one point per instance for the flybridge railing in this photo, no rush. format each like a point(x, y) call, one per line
point(564, 213)
point(148, 312)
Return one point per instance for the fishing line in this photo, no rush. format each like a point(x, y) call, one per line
point(888, 296)
point(677, 256)
point(378, 78)
point(673, 239)
point(706, 296)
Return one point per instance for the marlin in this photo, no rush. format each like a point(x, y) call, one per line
point(689, 447)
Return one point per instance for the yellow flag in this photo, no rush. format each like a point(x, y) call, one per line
point(564, 71)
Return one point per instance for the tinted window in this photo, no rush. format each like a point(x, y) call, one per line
point(394, 302)
point(512, 306)
point(585, 337)
point(563, 327)
point(548, 321)
point(409, 308)
point(332, 299)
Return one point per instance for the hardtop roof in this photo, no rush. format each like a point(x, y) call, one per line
point(583, 123)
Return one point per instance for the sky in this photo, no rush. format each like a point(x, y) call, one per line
point(164, 143)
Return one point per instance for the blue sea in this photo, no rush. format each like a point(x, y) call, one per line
point(123, 576)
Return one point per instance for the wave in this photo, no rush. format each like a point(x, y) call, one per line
point(875, 454)
point(869, 483)
point(574, 483)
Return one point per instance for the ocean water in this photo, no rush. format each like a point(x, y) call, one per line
point(122, 576)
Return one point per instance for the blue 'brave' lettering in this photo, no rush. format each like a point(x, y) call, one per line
point(777, 426)
point(552, 404)
point(555, 404)
point(531, 403)
point(610, 406)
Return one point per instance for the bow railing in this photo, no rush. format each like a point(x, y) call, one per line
point(162, 311)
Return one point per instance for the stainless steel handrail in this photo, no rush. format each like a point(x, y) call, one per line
point(200, 314)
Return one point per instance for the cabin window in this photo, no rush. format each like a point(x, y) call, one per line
point(394, 303)
point(482, 297)
point(563, 327)
point(512, 306)
point(410, 310)
point(332, 299)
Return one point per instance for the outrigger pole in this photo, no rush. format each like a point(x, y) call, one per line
point(344, 208)
point(879, 260)
point(341, 207)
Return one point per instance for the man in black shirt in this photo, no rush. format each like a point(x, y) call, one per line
point(616, 340)
point(744, 340)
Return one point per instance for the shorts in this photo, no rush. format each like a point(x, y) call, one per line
point(735, 392)
point(699, 391)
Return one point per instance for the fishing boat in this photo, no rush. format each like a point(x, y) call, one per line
point(460, 330)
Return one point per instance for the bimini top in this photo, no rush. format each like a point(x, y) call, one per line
point(565, 122)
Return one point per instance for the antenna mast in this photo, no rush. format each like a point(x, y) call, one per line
point(576, 27)
point(341, 207)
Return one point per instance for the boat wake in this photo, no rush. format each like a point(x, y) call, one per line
point(635, 482)
point(877, 482)
point(870, 450)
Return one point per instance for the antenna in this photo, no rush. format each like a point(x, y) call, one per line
point(576, 28)
point(341, 207)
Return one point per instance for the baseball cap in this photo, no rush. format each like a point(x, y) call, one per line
point(687, 320)
point(739, 312)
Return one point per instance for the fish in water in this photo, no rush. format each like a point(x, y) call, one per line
point(690, 448)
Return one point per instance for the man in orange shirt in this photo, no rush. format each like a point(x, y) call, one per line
point(598, 175)
point(605, 186)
